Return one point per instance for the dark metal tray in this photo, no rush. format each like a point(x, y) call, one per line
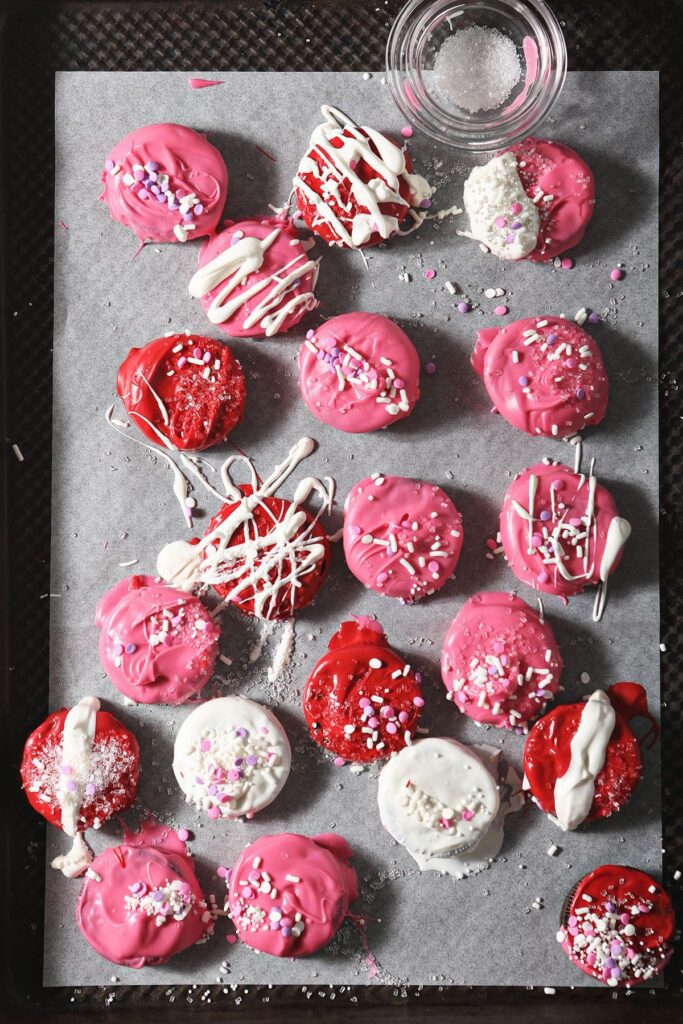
point(38, 38)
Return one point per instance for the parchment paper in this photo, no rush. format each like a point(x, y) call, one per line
point(111, 503)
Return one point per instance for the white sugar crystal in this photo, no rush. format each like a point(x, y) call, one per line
point(477, 68)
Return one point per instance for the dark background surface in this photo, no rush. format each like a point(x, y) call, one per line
point(39, 38)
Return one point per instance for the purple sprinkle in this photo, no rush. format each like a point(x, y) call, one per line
point(241, 732)
point(430, 367)
point(213, 789)
point(90, 789)
point(463, 307)
point(418, 677)
point(252, 759)
point(152, 166)
point(66, 769)
point(523, 381)
point(510, 238)
point(187, 217)
point(551, 339)
point(593, 318)
point(118, 648)
point(238, 761)
point(516, 225)
point(199, 780)
point(199, 208)
point(152, 175)
point(138, 175)
point(109, 165)
point(71, 786)
point(545, 515)
point(131, 648)
point(286, 932)
point(155, 190)
point(157, 896)
point(580, 393)
point(161, 198)
point(425, 204)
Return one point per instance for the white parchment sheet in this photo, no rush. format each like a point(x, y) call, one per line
point(112, 503)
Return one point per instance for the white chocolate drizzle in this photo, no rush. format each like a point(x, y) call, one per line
point(574, 791)
point(266, 563)
point(79, 733)
point(385, 158)
point(235, 264)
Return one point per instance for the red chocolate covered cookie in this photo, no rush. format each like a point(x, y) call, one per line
point(618, 926)
point(362, 701)
point(582, 761)
point(80, 767)
point(354, 186)
point(187, 392)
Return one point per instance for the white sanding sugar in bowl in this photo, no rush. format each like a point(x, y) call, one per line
point(477, 68)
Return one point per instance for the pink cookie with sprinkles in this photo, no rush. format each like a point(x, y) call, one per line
point(500, 661)
point(141, 903)
point(256, 278)
point(544, 375)
point(289, 894)
point(158, 645)
point(359, 372)
point(561, 531)
point(166, 182)
point(402, 537)
point(618, 925)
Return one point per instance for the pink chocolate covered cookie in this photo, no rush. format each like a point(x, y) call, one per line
point(545, 375)
point(500, 661)
point(158, 645)
point(289, 894)
point(141, 902)
point(402, 537)
point(256, 278)
point(359, 372)
point(561, 531)
point(166, 182)
point(531, 201)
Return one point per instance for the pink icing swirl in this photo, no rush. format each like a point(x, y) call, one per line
point(500, 662)
point(147, 661)
point(193, 166)
point(113, 905)
point(314, 884)
point(402, 537)
point(359, 372)
point(547, 380)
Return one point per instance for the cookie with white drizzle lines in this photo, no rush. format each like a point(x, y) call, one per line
point(561, 531)
point(265, 554)
point(256, 278)
point(355, 187)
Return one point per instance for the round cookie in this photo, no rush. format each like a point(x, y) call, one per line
point(355, 187)
point(618, 925)
point(231, 757)
point(158, 645)
point(186, 391)
point(362, 701)
point(141, 903)
point(532, 201)
point(438, 799)
point(255, 278)
point(500, 662)
point(582, 762)
point(402, 537)
point(561, 531)
point(289, 894)
point(544, 375)
point(359, 372)
point(80, 767)
point(166, 182)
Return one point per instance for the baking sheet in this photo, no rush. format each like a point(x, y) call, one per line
point(111, 503)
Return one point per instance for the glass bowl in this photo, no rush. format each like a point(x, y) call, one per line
point(414, 42)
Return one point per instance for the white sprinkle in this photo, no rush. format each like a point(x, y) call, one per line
point(450, 287)
point(515, 356)
point(18, 452)
point(125, 565)
point(553, 850)
point(375, 663)
point(292, 878)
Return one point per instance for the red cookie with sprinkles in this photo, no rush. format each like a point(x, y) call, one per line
point(184, 391)
point(362, 701)
point(544, 375)
point(618, 925)
point(80, 767)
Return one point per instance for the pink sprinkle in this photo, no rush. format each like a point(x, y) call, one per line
point(433, 566)
point(567, 263)
point(429, 274)
point(391, 728)
point(463, 307)
point(491, 544)
point(221, 871)
point(467, 815)
point(232, 939)
point(543, 577)
point(418, 702)
point(575, 521)
point(617, 274)
point(364, 702)
point(516, 208)
point(181, 362)
point(399, 383)
point(373, 722)
point(403, 717)
point(214, 812)
point(197, 353)
point(501, 222)
point(430, 367)
point(353, 164)
point(338, 762)
point(65, 769)
point(184, 835)
point(382, 577)
point(63, 226)
point(406, 131)
point(205, 745)
point(203, 83)
point(501, 310)
point(498, 647)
